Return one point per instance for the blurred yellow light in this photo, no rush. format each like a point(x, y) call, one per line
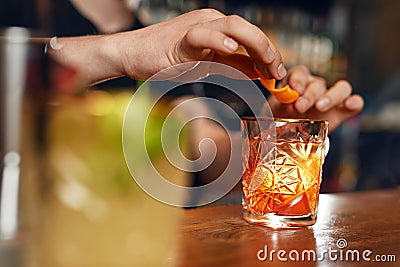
point(99, 103)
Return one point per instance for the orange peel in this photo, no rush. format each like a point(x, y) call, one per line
point(285, 95)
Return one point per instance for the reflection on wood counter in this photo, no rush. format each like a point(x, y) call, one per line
point(352, 229)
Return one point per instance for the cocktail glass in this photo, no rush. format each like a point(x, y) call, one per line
point(283, 161)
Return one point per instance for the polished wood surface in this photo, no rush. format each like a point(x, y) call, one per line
point(368, 221)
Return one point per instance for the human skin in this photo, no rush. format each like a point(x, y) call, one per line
point(207, 35)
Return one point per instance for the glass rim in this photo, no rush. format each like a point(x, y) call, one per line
point(300, 120)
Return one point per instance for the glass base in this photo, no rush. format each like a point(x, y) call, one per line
point(275, 221)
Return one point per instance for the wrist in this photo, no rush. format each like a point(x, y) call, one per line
point(129, 54)
point(109, 57)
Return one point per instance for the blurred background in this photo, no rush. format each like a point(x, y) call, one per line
point(357, 40)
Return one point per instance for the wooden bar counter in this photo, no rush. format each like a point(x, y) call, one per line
point(352, 229)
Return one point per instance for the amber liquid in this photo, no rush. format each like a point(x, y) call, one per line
point(283, 182)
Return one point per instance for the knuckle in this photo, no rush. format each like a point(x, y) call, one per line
point(295, 80)
point(262, 42)
point(312, 95)
point(321, 82)
point(345, 85)
point(260, 37)
point(302, 68)
point(208, 13)
point(316, 88)
point(191, 34)
point(301, 72)
point(214, 12)
point(278, 56)
point(233, 22)
point(235, 18)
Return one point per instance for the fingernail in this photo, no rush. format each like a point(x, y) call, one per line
point(231, 44)
point(322, 104)
point(302, 104)
point(270, 55)
point(281, 71)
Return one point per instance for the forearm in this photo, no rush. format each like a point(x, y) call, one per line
point(95, 57)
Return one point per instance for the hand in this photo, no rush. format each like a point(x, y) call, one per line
point(198, 35)
point(316, 101)
point(204, 34)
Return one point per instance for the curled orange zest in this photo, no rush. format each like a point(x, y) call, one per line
point(285, 95)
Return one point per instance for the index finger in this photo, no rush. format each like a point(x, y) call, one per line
point(257, 44)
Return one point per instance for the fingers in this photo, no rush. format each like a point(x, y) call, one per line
point(335, 96)
point(316, 101)
point(314, 93)
point(298, 78)
point(350, 107)
point(354, 103)
point(257, 44)
point(315, 88)
point(199, 42)
point(340, 95)
point(202, 43)
point(240, 62)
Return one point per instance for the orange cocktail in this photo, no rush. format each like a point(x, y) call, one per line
point(282, 170)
